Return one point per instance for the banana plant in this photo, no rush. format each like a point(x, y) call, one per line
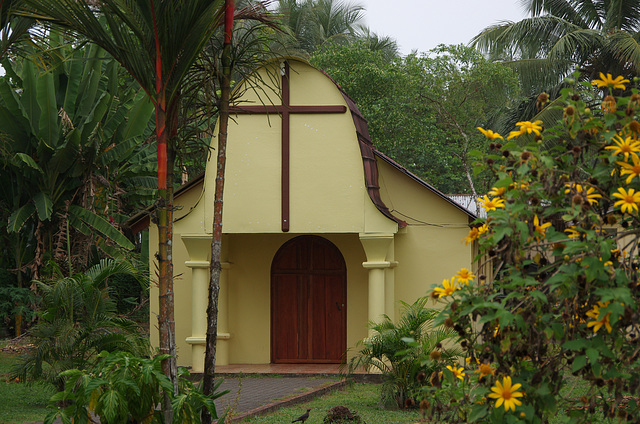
point(73, 131)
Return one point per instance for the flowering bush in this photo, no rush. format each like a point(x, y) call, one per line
point(555, 304)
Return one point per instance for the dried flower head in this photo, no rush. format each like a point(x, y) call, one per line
point(609, 104)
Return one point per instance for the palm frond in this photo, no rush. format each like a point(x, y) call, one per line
point(625, 48)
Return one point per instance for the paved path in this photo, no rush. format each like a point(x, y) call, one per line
point(259, 395)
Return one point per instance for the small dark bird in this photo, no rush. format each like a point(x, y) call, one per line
point(302, 418)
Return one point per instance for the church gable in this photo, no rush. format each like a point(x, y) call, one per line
point(294, 162)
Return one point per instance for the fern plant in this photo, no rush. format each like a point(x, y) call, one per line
point(77, 321)
point(398, 352)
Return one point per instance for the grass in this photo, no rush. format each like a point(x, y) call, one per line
point(362, 398)
point(21, 402)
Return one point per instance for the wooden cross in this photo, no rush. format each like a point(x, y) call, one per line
point(285, 110)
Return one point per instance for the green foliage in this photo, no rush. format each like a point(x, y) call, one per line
point(561, 296)
point(559, 37)
point(78, 320)
point(127, 291)
point(422, 111)
point(398, 352)
point(123, 388)
point(15, 301)
point(72, 155)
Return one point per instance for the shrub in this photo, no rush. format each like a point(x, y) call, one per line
point(561, 290)
point(123, 388)
point(398, 351)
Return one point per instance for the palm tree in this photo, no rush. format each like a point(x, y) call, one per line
point(399, 350)
point(564, 35)
point(156, 41)
point(12, 27)
point(78, 320)
point(314, 22)
point(376, 42)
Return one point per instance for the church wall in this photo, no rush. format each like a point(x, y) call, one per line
point(329, 199)
point(430, 248)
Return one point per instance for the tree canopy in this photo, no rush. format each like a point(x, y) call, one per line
point(562, 36)
point(422, 110)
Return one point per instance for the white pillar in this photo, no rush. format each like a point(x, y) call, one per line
point(199, 249)
point(199, 300)
point(377, 247)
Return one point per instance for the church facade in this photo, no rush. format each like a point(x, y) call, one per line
point(322, 233)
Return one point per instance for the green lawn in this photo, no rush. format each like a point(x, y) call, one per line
point(360, 398)
point(21, 402)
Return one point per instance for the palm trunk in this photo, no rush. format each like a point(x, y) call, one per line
point(216, 241)
point(166, 322)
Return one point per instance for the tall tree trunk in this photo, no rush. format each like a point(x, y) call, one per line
point(216, 241)
point(166, 322)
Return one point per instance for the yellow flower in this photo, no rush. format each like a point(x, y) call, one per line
point(595, 313)
point(497, 192)
point(468, 360)
point(608, 81)
point(627, 147)
point(631, 170)
point(571, 232)
point(490, 134)
point(491, 204)
point(506, 394)
point(589, 192)
point(475, 233)
point(446, 289)
point(465, 276)
point(628, 200)
point(540, 229)
point(484, 370)
point(457, 372)
point(526, 127)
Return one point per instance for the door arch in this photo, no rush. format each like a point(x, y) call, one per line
point(308, 302)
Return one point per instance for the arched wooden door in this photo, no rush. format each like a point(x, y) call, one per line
point(308, 302)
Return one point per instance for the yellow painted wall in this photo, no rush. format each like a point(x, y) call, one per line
point(429, 251)
point(249, 294)
point(324, 153)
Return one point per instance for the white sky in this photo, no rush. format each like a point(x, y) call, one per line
point(423, 24)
